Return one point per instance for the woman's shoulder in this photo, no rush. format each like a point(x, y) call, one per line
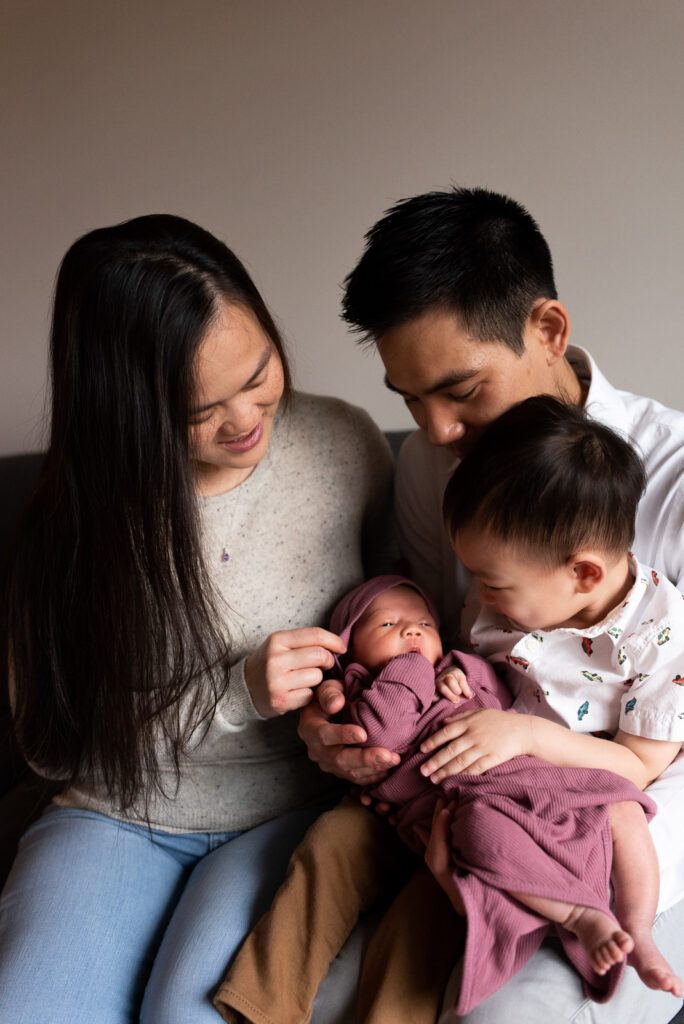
point(327, 408)
point(333, 420)
point(333, 447)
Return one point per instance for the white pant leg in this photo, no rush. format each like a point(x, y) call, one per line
point(548, 990)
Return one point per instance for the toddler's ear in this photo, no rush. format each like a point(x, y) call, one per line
point(588, 569)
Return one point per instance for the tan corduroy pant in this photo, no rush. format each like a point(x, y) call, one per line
point(349, 859)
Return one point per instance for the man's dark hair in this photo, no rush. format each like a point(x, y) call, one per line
point(470, 252)
point(548, 478)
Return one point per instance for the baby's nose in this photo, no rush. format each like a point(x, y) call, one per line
point(413, 629)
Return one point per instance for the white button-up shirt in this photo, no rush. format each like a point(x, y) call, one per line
point(626, 672)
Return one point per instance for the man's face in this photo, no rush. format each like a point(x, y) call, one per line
point(453, 385)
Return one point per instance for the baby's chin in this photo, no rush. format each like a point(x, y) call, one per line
point(404, 651)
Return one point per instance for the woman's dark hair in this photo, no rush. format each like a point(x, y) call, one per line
point(549, 479)
point(112, 620)
point(470, 252)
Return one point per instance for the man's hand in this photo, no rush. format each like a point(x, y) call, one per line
point(452, 684)
point(475, 741)
point(333, 746)
point(282, 672)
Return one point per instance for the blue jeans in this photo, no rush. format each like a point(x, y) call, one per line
point(110, 922)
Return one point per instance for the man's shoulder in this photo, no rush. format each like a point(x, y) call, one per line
point(654, 425)
point(656, 431)
point(646, 420)
point(419, 461)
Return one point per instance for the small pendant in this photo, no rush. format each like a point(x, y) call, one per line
point(225, 557)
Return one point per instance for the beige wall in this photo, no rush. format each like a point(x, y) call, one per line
point(288, 127)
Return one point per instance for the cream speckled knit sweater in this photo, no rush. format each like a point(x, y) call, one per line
point(293, 533)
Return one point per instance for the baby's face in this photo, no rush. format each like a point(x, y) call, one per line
point(396, 622)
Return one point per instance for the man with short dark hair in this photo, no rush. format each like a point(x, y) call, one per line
point(456, 289)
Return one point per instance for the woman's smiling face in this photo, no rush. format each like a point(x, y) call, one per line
point(238, 385)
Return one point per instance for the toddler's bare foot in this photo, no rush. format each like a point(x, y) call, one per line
point(651, 965)
point(605, 943)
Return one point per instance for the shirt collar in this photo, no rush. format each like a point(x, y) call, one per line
point(603, 402)
point(615, 622)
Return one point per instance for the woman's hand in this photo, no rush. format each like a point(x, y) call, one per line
point(475, 741)
point(284, 669)
point(333, 745)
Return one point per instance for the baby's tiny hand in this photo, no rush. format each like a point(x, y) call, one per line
point(452, 684)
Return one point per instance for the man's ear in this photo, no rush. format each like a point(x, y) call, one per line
point(588, 570)
point(550, 322)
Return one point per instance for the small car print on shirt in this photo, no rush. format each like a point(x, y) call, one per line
point(520, 662)
point(663, 636)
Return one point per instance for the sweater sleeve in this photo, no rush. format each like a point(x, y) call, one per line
point(390, 709)
point(237, 707)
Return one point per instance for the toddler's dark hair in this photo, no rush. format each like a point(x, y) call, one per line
point(548, 478)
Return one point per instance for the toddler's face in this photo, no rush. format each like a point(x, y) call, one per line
point(396, 622)
point(529, 593)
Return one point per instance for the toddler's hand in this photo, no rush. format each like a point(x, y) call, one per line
point(472, 742)
point(452, 684)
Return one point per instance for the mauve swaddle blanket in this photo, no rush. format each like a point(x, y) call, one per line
point(525, 826)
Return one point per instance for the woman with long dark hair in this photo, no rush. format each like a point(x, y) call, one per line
point(194, 522)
